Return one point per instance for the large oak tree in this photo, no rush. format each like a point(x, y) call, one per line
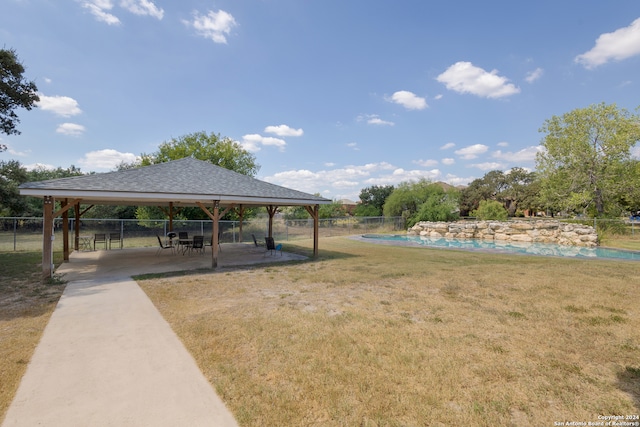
point(15, 92)
point(584, 164)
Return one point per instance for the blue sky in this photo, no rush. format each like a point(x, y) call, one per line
point(331, 96)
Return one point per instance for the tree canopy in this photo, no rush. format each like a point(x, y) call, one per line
point(12, 174)
point(15, 92)
point(213, 148)
point(584, 164)
point(372, 200)
point(422, 201)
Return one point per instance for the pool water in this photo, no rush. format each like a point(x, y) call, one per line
point(545, 249)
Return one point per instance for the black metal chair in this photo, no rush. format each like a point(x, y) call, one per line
point(255, 241)
point(198, 244)
point(115, 237)
point(183, 241)
point(99, 238)
point(163, 246)
point(271, 247)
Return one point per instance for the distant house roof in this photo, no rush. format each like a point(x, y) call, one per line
point(347, 202)
point(183, 182)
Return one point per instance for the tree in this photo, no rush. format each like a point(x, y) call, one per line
point(520, 191)
point(407, 200)
point(439, 206)
point(372, 200)
point(334, 209)
point(15, 92)
point(12, 174)
point(217, 150)
point(583, 159)
point(490, 209)
point(486, 188)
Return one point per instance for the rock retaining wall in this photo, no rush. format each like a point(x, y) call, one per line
point(540, 231)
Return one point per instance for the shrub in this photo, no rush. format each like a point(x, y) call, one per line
point(491, 209)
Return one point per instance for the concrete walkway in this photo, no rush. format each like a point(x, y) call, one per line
point(108, 358)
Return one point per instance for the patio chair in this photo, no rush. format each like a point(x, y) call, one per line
point(99, 238)
point(271, 247)
point(163, 246)
point(210, 242)
point(115, 237)
point(255, 241)
point(183, 240)
point(198, 244)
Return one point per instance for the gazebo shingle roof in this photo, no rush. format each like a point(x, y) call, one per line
point(184, 181)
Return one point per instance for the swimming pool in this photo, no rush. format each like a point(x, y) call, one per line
point(545, 249)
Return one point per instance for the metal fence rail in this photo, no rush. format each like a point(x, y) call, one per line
point(25, 234)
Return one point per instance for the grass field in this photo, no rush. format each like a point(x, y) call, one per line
point(375, 335)
point(25, 307)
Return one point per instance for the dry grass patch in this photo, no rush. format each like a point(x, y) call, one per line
point(376, 335)
point(26, 305)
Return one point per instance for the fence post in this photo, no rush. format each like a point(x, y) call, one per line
point(15, 233)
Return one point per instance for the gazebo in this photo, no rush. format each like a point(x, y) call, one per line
point(170, 185)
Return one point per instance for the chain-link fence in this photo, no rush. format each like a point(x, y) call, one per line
point(25, 234)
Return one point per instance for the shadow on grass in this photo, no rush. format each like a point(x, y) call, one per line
point(629, 382)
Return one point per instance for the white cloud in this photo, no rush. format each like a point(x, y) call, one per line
point(353, 176)
point(71, 129)
point(525, 155)
point(438, 96)
point(374, 119)
point(425, 163)
point(534, 75)
point(283, 130)
point(472, 151)
point(457, 180)
point(254, 142)
point(349, 178)
point(487, 166)
point(214, 25)
point(15, 152)
point(618, 45)
point(408, 100)
point(100, 10)
point(107, 159)
point(143, 8)
point(448, 161)
point(353, 146)
point(464, 77)
point(447, 146)
point(39, 166)
point(59, 105)
point(503, 144)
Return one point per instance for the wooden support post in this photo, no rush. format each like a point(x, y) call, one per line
point(214, 234)
point(272, 211)
point(314, 212)
point(76, 226)
point(316, 223)
point(241, 215)
point(170, 216)
point(47, 237)
point(65, 232)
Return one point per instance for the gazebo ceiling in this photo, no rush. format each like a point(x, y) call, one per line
point(184, 182)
